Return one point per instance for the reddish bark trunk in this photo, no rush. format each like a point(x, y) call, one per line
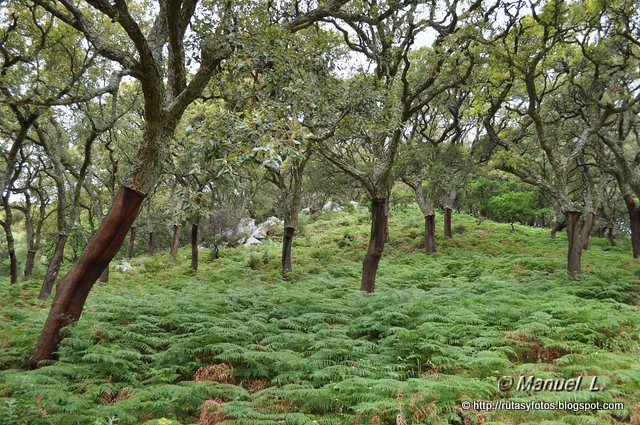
point(286, 249)
point(175, 241)
point(586, 230)
point(376, 245)
point(430, 233)
point(447, 222)
point(152, 243)
point(28, 267)
point(634, 221)
point(575, 244)
point(194, 246)
point(74, 288)
point(54, 267)
point(132, 239)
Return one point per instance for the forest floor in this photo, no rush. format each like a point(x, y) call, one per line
point(235, 343)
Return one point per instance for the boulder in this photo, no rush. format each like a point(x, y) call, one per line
point(306, 211)
point(331, 206)
point(251, 241)
point(269, 226)
point(124, 267)
point(246, 226)
point(258, 234)
point(354, 204)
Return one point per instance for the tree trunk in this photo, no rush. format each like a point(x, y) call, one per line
point(376, 245)
point(74, 288)
point(612, 240)
point(54, 267)
point(634, 221)
point(557, 226)
point(586, 230)
point(575, 244)
point(7, 224)
point(175, 241)
point(447, 222)
point(104, 276)
point(286, 249)
point(14, 263)
point(132, 239)
point(152, 243)
point(194, 247)
point(28, 267)
point(430, 233)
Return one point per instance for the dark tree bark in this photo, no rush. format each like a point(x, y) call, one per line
point(132, 239)
point(194, 246)
point(152, 243)
point(7, 225)
point(447, 222)
point(586, 230)
point(74, 287)
point(286, 248)
point(54, 267)
point(430, 233)
point(634, 221)
point(556, 227)
point(28, 267)
point(175, 241)
point(376, 245)
point(104, 276)
point(574, 238)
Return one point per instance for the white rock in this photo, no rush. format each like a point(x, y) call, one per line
point(269, 226)
point(251, 241)
point(306, 211)
point(247, 226)
point(201, 248)
point(259, 234)
point(124, 267)
point(331, 206)
point(354, 204)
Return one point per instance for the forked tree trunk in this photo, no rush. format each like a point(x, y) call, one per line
point(54, 267)
point(132, 239)
point(634, 221)
point(194, 246)
point(28, 267)
point(286, 248)
point(574, 236)
point(175, 241)
point(447, 222)
point(430, 233)
point(376, 245)
point(152, 243)
point(586, 230)
point(74, 287)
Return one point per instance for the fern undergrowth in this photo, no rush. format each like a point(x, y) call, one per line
point(234, 343)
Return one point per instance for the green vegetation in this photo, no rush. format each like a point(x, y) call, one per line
point(235, 343)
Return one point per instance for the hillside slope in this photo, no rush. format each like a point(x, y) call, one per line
point(235, 343)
